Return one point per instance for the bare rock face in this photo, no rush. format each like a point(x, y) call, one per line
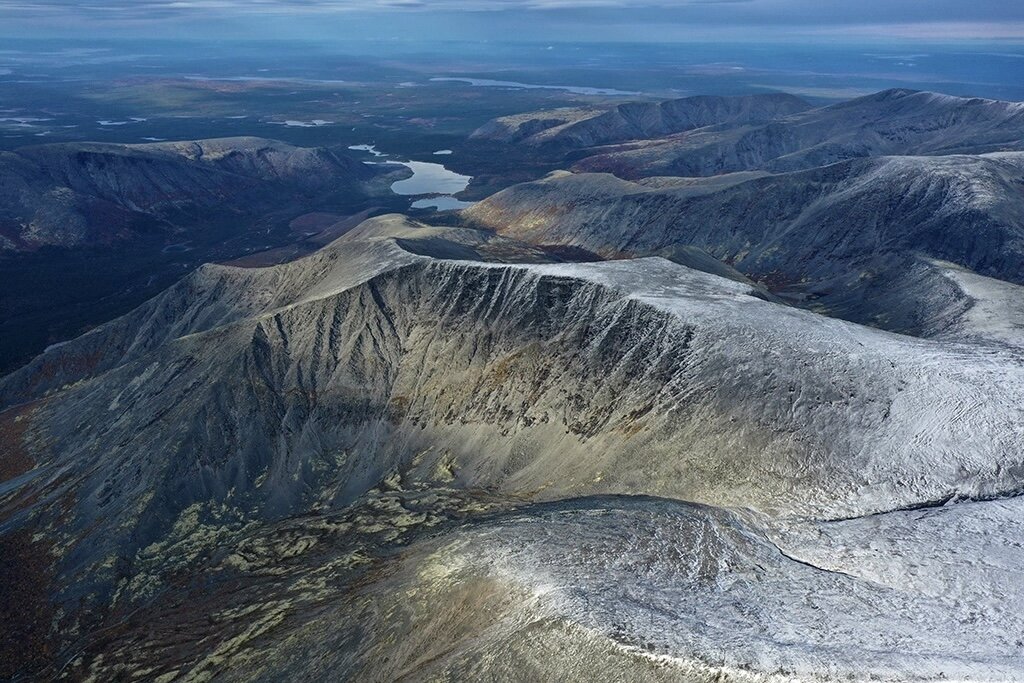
point(856, 239)
point(253, 455)
point(73, 195)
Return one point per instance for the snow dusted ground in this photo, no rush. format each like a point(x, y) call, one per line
point(997, 310)
point(834, 502)
point(903, 596)
point(643, 589)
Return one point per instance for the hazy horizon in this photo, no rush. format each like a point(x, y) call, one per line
point(520, 20)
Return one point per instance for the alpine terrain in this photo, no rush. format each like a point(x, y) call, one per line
point(734, 394)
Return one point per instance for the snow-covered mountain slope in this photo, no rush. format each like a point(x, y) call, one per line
point(241, 398)
point(443, 585)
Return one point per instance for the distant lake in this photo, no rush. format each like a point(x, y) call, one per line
point(428, 178)
point(367, 148)
point(577, 89)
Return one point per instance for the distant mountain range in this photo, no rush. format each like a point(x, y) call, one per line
point(777, 133)
point(581, 128)
point(73, 195)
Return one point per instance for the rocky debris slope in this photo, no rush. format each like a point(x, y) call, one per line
point(244, 397)
point(857, 239)
point(79, 194)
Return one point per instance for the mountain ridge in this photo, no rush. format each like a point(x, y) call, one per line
point(893, 122)
point(824, 237)
point(766, 427)
point(53, 190)
point(637, 140)
point(573, 129)
point(372, 368)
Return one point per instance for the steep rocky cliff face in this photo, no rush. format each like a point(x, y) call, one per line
point(856, 239)
point(224, 440)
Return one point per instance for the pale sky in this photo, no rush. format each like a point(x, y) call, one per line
point(524, 19)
